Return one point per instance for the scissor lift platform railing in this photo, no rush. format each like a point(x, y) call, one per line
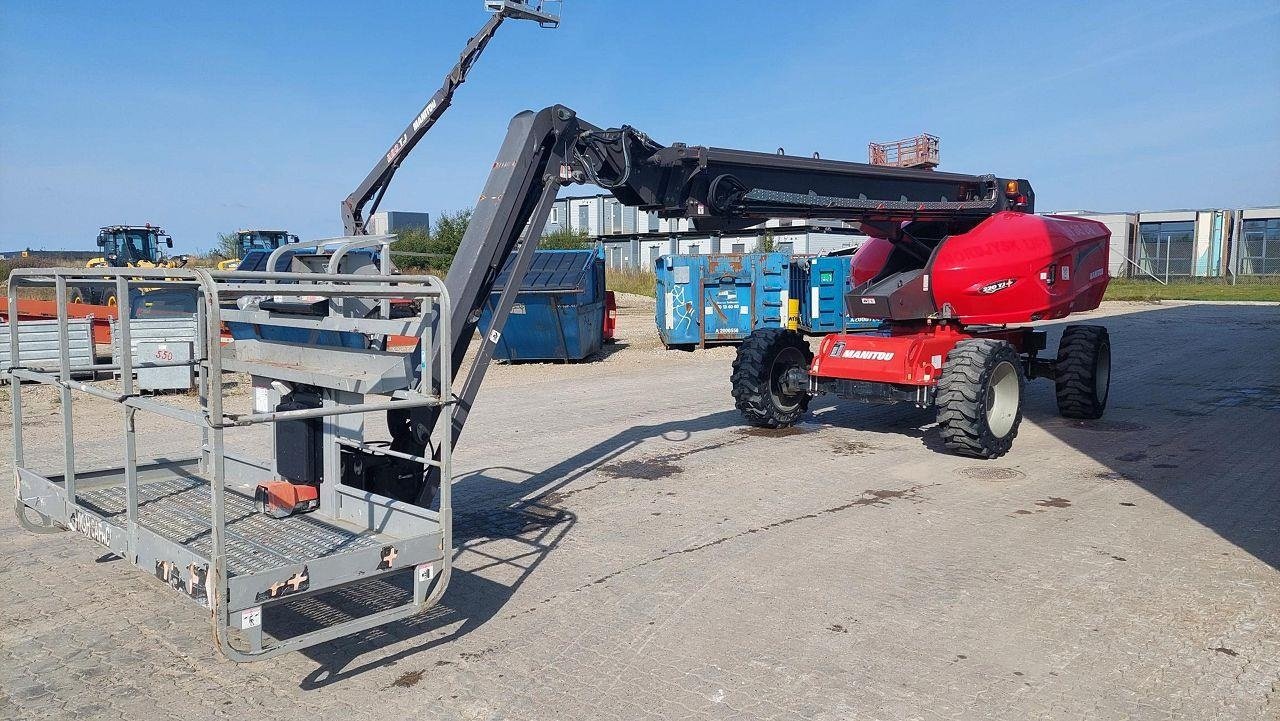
point(191, 522)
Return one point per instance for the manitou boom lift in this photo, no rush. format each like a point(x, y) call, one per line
point(953, 258)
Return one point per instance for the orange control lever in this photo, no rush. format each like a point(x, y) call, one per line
point(280, 499)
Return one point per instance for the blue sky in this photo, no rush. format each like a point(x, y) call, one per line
point(211, 116)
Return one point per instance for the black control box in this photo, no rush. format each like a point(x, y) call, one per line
point(299, 455)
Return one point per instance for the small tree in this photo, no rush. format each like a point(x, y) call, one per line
point(228, 246)
point(565, 239)
point(441, 243)
point(766, 242)
point(450, 227)
point(414, 240)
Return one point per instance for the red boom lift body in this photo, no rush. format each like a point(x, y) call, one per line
point(1011, 268)
point(948, 290)
point(1050, 266)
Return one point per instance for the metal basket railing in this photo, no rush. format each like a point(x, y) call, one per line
point(55, 500)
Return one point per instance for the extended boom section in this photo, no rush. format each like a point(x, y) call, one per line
point(364, 200)
point(721, 189)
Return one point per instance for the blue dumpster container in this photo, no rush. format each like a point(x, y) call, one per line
point(559, 312)
point(720, 298)
point(821, 284)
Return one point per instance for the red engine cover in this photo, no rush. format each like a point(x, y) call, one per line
point(1016, 267)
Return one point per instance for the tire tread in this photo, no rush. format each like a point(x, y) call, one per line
point(750, 377)
point(1075, 368)
point(959, 399)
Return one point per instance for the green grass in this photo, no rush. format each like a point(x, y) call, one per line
point(631, 280)
point(1133, 289)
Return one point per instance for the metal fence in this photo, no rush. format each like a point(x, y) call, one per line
point(39, 340)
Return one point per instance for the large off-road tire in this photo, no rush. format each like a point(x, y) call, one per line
point(91, 295)
point(763, 358)
point(979, 398)
point(1083, 371)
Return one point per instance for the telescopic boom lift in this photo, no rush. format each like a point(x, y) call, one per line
point(990, 259)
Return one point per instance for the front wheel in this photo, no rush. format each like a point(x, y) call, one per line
point(980, 398)
point(764, 359)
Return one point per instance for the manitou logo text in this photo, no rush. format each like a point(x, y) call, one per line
point(876, 355)
point(425, 114)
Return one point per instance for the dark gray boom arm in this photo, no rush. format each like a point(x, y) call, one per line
point(375, 184)
point(507, 221)
point(721, 189)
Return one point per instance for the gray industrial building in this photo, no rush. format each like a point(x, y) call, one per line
point(392, 221)
point(602, 215)
point(1184, 244)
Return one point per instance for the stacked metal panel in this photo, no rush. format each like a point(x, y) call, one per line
point(38, 343)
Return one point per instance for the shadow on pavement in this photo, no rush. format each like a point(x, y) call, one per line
point(497, 523)
point(1191, 420)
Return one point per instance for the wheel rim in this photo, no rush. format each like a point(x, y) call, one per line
point(786, 359)
point(1102, 375)
point(1002, 399)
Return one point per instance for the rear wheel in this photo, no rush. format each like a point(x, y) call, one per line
point(1083, 371)
point(75, 295)
point(980, 398)
point(764, 358)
